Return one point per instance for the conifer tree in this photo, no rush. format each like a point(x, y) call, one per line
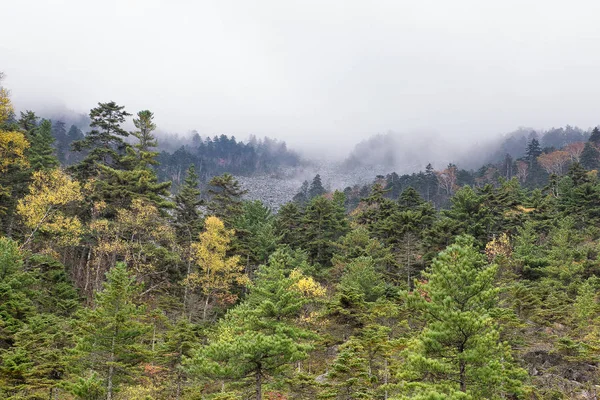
point(188, 220)
point(323, 223)
point(595, 137)
point(287, 224)
point(316, 188)
point(135, 178)
point(302, 197)
point(104, 143)
point(259, 339)
point(28, 123)
point(255, 238)
point(110, 336)
point(459, 348)
point(41, 152)
point(590, 157)
point(226, 198)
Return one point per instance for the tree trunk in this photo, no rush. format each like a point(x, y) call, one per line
point(111, 367)
point(258, 385)
point(385, 377)
point(205, 308)
point(463, 378)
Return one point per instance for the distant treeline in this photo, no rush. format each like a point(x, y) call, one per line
point(210, 156)
point(222, 154)
point(534, 160)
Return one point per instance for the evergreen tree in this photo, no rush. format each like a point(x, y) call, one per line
point(595, 137)
point(110, 338)
point(376, 210)
point(323, 223)
point(288, 223)
point(16, 294)
point(459, 348)
point(188, 219)
point(255, 238)
point(226, 198)
point(302, 197)
point(37, 363)
point(135, 178)
point(316, 188)
point(536, 175)
point(65, 155)
point(410, 199)
point(28, 123)
point(104, 143)
point(259, 339)
point(41, 152)
point(590, 157)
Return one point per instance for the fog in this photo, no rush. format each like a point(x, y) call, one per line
point(322, 75)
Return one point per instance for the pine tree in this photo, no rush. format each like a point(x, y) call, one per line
point(28, 123)
point(316, 188)
point(135, 178)
point(376, 209)
point(41, 152)
point(109, 340)
point(65, 154)
point(255, 237)
point(590, 157)
point(323, 223)
point(188, 219)
point(410, 199)
point(595, 137)
point(302, 197)
point(39, 356)
point(16, 294)
point(226, 198)
point(459, 348)
point(258, 339)
point(104, 143)
point(537, 175)
point(287, 224)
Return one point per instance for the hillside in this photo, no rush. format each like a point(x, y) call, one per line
point(131, 273)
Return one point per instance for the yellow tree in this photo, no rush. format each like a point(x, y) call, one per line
point(141, 237)
point(6, 108)
point(217, 273)
point(13, 146)
point(43, 210)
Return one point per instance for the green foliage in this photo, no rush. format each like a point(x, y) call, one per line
point(188, 220)
point(323, 223)
point(41, 152)
point(109, 336)
point(460, 346)
point(226, 198)
point(104, 144)
point(259, 338)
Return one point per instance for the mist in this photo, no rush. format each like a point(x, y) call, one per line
point(320, 75)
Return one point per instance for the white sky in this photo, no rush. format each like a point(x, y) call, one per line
point(312, 73)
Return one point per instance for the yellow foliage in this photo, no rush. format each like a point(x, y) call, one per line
point(12, 149)
point(146, 391)
point(306, 285)
point(43, 208)
point(498, 247)
point(130, 234)
point(6, 107)
point(216, 273)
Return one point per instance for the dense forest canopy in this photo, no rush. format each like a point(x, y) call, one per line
point(121, 279)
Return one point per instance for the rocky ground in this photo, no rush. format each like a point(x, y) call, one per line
point(279, 188)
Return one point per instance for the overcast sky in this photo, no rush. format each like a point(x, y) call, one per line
point(312, 71)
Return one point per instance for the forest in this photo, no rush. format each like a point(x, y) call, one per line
point(120, 279)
